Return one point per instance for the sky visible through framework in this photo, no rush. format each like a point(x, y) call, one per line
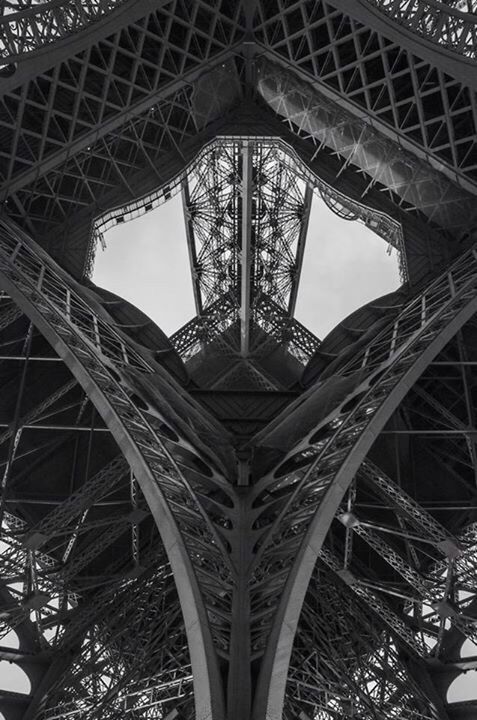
point(146, 261)
point(345, 265)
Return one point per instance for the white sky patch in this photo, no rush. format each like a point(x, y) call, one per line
point(13, 678)
point(146, 261)
point(345, 266)
point(463, 688)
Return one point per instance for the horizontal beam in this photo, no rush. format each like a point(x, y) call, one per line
point(69, 428)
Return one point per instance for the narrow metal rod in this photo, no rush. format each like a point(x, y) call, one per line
point(301, 249)
point(454, 363)
point(463, 431)
point(189, 226)
point(41, 426)
point(246, 249)
point(30, 359)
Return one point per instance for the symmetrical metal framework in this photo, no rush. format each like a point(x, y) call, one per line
point(247, 215)
point(243, 521)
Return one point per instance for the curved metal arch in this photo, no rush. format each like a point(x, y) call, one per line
point(94, 353)
point(394, 361)
point(437, 22)
point(34, 26)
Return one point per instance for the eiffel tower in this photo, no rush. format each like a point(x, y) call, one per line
point(241, 521)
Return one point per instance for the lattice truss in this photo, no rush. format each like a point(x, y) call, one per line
point(119, 102)
point(86, 585)
point(344, 666)
point(70, 147)
point(280, 193)
point(405, 99)
point(26, 25)
point(90, 130)
point(222, 203)
point(377, 680)
point(398, 172)
point(449, 26)
point(430, 591)
point(432, 560)
point(215, 194)
point(419, 615)
point(82, 548)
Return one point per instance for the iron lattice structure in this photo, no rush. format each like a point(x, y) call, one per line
point(241, 521)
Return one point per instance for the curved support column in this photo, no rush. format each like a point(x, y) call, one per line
point(327, 461)
point(95, 354)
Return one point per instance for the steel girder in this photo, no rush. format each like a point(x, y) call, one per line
point(26, 26)
point(99, 122)
point(72, 611)
point(453, 28)
point(246, 213)
point(419, 97)
point(357, 668)
point(412, 183)
point(278, 211)
point(93, 114)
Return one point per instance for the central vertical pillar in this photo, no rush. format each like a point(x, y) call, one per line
point(239, 690)
point(246, 248)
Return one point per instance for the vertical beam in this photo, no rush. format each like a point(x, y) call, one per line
point(300, 251)
point(16, 429)
point(469, 405)
point(239, 687)
point(189, 226)
point(246, 248)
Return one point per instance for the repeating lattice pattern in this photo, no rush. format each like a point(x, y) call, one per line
point(26, 25)
point(454, 28)
point(109, 131)
point(422, 104)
